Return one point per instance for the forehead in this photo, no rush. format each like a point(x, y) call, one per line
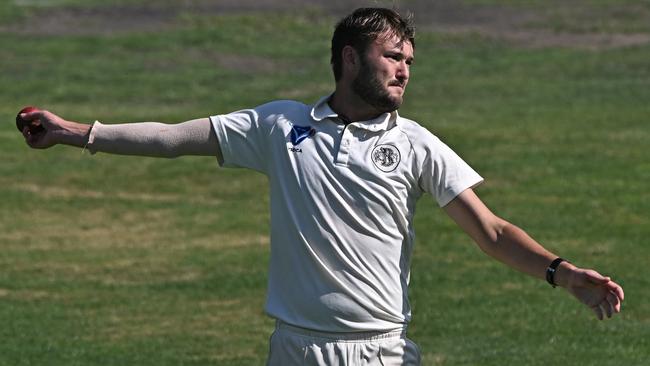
point(391, 43)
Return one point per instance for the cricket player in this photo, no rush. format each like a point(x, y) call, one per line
point(345, 174)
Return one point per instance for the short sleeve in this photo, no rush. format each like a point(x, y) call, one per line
point(242, 139)
point(443, 173)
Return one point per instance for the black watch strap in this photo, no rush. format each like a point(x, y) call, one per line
point(550, 271)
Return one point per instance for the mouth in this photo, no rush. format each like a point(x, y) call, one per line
point(397, 83)
point(396, 88)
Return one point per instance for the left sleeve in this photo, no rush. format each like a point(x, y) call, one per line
point(443, 173)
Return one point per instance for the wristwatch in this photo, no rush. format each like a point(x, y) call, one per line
point(550, 271)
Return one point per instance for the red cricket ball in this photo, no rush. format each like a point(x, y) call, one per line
point(35, 126)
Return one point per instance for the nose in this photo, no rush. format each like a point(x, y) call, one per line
point(403, 71)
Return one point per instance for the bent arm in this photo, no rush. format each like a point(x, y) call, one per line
point(512, 246)
point(153, 139)
point(502, 240)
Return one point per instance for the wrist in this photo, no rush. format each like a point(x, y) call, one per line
point(563, 274)
point(73, 133)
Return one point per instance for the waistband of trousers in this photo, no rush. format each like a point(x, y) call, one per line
point(343, 336)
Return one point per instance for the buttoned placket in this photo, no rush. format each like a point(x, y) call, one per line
point(346, 134)
point(345, 144)
point(349, 136)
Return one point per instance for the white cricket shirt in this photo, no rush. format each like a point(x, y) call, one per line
point(342, 205)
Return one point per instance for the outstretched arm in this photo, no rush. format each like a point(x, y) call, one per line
point(512, 246)
point(154, 139)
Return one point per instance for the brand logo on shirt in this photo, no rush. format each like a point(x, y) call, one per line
point(299, 133)
point(385, 157)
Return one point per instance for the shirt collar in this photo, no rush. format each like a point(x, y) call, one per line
point(322, 110)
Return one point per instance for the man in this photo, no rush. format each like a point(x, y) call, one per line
point(345, 175)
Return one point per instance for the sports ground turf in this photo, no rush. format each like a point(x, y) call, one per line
point(108, 260)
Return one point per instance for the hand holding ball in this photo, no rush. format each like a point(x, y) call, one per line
point(35, 126)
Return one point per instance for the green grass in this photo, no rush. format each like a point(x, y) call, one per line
point(112, 260)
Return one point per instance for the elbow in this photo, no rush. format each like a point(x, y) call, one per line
point(489, 247)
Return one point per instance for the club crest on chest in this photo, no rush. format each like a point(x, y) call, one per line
point(385, 157)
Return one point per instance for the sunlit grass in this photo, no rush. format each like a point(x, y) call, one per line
point(125, 260)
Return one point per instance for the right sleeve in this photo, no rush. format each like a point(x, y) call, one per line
point(444, 174)
point(242, 139)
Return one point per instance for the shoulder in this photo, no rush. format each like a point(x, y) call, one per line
point(268, 114)
point(419, 136)
point(282, 107)
point(425, 145)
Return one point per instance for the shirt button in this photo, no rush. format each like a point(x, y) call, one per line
point(346, 142)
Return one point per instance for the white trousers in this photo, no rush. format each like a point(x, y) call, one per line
point(293, 346)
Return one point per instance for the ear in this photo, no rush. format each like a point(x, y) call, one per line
point(351, 60)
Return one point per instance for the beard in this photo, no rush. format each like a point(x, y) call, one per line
point(372, 91)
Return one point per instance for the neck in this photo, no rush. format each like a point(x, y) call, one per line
point(349, 106)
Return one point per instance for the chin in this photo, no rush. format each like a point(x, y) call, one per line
point(390, 105)
point(397, 95)
point(397, 101)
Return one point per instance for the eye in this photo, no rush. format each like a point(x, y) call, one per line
point(394, 56)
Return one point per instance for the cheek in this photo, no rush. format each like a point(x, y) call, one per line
point(385, 74)
point(394, 70)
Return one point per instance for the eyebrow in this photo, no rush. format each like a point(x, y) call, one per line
point(397, 52)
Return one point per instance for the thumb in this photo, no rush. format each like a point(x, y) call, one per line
point(27, 116)
point(30, 116)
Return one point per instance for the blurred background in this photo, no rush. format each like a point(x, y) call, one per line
point(108, 260)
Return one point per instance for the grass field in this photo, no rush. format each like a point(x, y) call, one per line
point(108, 260)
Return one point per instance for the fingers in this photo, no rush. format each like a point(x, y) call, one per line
point(614, 302)
point(607, 307)
point(616, 289)
point(598, 310)
point(615, 295)
point(37, 124)
point(30, 116)
point(597, 278)
point(26, 133)
point(42, 117)
point(33, 140)
point(610, 305)
point(602, 309)
point(603, 296)
point(30, 139)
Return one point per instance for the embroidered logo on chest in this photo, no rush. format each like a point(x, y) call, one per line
point(299, 133)
point(385, 157)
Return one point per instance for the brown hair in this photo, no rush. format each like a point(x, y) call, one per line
point(363, 27)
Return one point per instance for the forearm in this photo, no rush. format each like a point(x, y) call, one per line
point(514, 247)
point(154, 139)
point(503, 240)
point(72, 133)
